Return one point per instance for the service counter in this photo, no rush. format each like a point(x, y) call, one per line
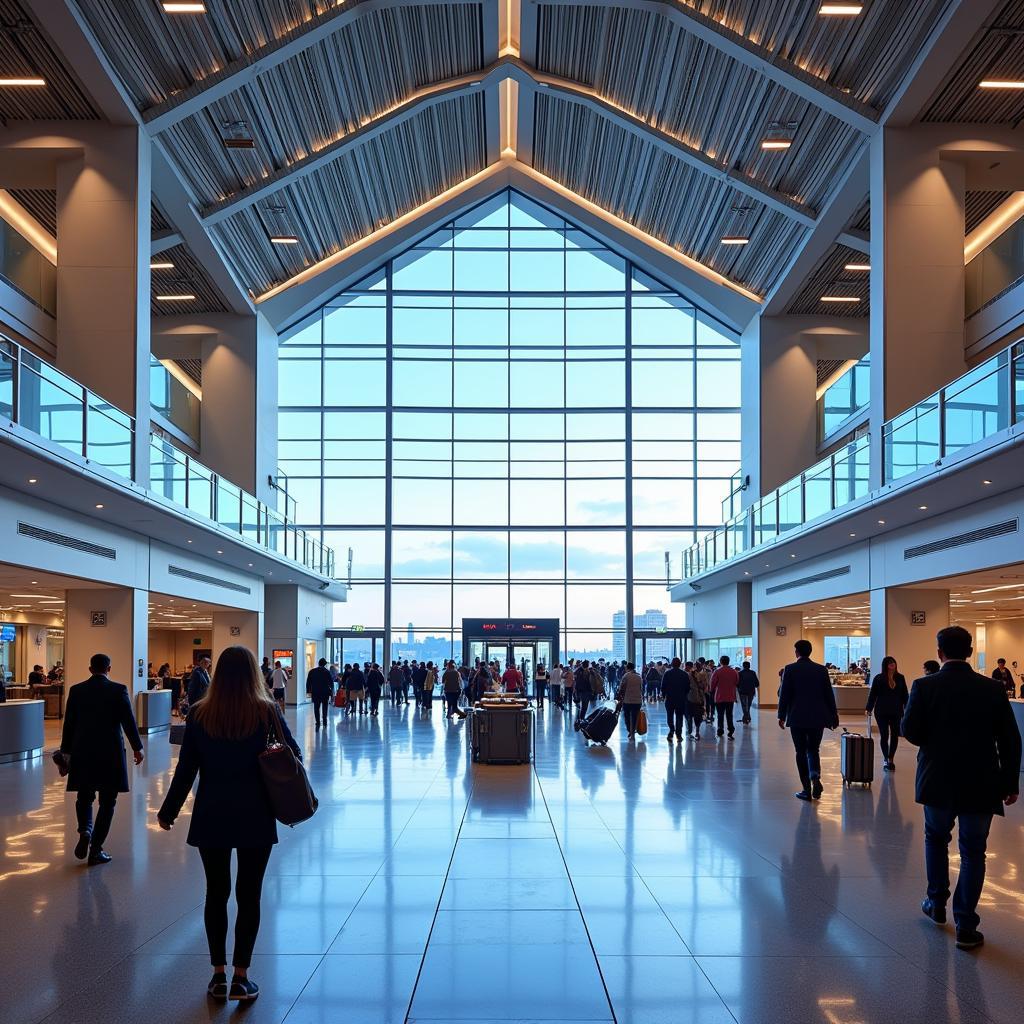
point(153, 710)
point(851, 699)
point(21, 730)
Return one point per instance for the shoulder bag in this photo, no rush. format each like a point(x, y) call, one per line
point(641, 722)
point(291, 796)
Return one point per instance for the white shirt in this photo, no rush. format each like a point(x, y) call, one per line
point(555, 677)
point(278, 678)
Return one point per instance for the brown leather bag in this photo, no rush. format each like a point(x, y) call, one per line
point(291, 796)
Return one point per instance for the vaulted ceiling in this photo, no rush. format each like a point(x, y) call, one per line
point(330, 120)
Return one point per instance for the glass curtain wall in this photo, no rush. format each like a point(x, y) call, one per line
point(508, 420)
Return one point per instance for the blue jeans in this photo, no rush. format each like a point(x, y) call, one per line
point(972, 839)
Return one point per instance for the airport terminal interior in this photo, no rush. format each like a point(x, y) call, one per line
point(547, 338)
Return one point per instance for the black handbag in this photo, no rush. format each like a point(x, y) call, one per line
point(291, 796)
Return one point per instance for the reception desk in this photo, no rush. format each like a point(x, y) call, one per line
point(153, 710)
point(21, 730)
point(850, 699)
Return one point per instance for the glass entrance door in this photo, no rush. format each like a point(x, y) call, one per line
point(525, 658)
point(361, 647)
point(498, 653)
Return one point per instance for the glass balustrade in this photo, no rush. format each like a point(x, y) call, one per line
point(995, 269)
point(39, 398)
point(845, 397)
point(172, 400)
point(25, 267)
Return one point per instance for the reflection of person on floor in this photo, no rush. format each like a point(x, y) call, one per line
point(807, 706)
point(968, 767)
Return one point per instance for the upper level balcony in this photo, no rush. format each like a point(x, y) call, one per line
point(69, 422)
point(981, 409)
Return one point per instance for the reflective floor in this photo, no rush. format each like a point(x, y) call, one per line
point(640, 883)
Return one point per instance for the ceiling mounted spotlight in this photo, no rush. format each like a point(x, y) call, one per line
point(779, 135)
point(280, 233)
point(237, 135)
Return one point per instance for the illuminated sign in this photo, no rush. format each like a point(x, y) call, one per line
point(358, 629)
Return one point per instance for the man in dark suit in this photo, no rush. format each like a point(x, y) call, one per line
point(96, 713)
point(808, 706)
point(199, 681)
point(968, 766)
point(321, 689)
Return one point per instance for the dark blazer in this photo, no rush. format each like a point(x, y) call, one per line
point(748, 683)
point(675, 685)
point(885, 702)
point(970, 744)
point(374, 682)
point(231, 808)
point(198, 684)
point(96, 713)
point(319, 683)
point(806, 700)
point(356, 680)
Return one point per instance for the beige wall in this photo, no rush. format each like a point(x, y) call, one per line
point(175, 646)
point(123, 638)
point(1004, 639)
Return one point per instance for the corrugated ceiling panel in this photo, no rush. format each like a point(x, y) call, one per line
point(41, 203)
point(868, 54)
point(326, 92)
point(660, 194)
point(364, 189)
point(187, 277)
point(158, 222)
point(693, 91)
point(829, 278)
point(862, 218)
point(25, 49)
point(978, 205)
point(997, 53)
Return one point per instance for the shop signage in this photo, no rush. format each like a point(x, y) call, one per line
point(917, 618)
point(236, 630)
point(98, 618)
point(780, 630)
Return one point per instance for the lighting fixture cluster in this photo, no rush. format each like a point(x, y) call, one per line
point(237, 135)
point(779, 135)
point(280, 232)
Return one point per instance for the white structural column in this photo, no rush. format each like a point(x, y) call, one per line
point(904, 622)
point(917, 273)
point(112, 621)
point(238, 417)
point(773, 636)
point(779, 412)
point(233, 627)
point(103, 231)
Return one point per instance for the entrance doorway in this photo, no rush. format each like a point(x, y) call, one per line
point(347, 646)
point(525, 643)
point(652, 645)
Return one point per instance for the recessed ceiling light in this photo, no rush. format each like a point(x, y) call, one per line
point(99, 505)
point(184, 297)
point(881, 522)
point(853, 535)
point(923, 508)
point(840, 298)
point(161, 265)
point(776, 143)
point(841, 10)
point(33, 480)
point(987, 483)
point(734, 240)
point(188, 542)
point(792, 556)
point(1001, 83)
point(250, 565)
point(284, 239)
point(857, 266)
point(25, 80)
point(183, 8)
point(219, 552)
point(745, 572)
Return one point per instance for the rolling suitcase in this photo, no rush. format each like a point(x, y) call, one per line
point(857, 758)
point(599, 725)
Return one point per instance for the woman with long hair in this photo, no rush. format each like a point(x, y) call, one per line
point(225, 733)
point(888, 698)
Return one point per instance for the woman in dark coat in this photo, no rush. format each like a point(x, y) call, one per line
point(888, 698)
point(225, 734)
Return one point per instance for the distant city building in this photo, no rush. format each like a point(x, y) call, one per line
point(652, 619)
point(409, 637)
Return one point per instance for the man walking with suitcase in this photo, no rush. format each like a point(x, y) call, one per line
point(968, 767)
point(808, 706)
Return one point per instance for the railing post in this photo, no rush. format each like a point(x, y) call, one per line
point(85, 422)
point(1011, 386)
point(942, 423)
point(16, 383)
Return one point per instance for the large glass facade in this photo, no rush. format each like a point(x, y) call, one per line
point(508, 420)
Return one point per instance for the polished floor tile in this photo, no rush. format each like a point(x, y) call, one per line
point(644, 883)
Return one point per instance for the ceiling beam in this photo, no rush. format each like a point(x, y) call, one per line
point(844, 202)
point(530, 81)
point(240, 72)
point(419, 101)
point(164, 240)
point(858, 240)
point(733, 44)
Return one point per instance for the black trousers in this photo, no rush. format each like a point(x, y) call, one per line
point(746, 699)
point(631, 712)
point(452, 702)
point(374, 701)
point(694, 717)
point(252, 865)
point(321, 704)
point(807, 743)
point(724, 709)
point(585, 703)
point(888, 734)
point(674, 717)
point(104, 816)
point(538, 690)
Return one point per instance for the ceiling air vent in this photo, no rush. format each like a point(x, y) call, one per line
point(64, 541)
point(212, 581)
point(818, 577)
point(958, 540)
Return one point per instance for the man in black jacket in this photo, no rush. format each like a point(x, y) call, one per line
point(968, 766)
point(321, 688)
point(199, 681)
point(675, 686)
point(747, 690)
point(808, 706)
point(96, 713)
